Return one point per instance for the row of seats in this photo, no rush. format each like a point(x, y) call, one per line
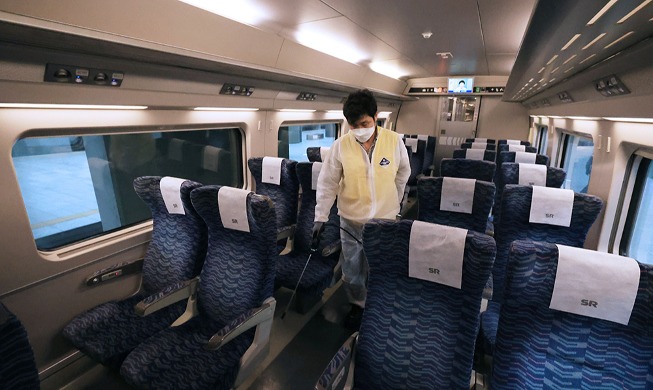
point(203, 315)
point(419, 332)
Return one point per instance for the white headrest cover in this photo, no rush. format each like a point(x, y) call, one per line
point(171, 192)
point(516, 148)
point(479, 145)
point(551, 206)
point(210, 158)
point(513, 142)
point(457, 194)
point(525, 157)
point(595, 284)
point(422, 137)
point(315, 174)
point(532, 175)
point(412, 142)
point(232, 203)
point(475, 154)
point(436, 253)
point(271, 172)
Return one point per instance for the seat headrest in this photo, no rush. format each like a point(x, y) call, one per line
point(436, 253)
point(232, 203)
point(271, 172)
point(171, 192)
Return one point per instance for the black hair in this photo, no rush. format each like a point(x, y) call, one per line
point(358, 104)
point(462, 82)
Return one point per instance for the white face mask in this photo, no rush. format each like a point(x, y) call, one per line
point(363, 134)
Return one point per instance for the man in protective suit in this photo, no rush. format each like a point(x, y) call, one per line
point(367, 169)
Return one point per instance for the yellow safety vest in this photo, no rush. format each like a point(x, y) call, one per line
point(368, 189)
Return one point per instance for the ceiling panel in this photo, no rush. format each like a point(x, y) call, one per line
point(504, 23)
point(283, 14)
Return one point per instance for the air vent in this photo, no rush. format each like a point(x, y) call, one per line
point(307, 96)
point(565, 97)
point(82, 75)
point(610, 86)
point(238, 90)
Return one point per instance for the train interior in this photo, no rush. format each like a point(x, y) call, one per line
point(96, 95)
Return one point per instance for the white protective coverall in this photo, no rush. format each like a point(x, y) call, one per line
point(367, 186)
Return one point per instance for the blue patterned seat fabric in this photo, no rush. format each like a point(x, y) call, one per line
point(467, 169)
point(238, 275)
point(515, 226)
point(319, 272)
point(417, 334)
point(313, 154)
point(489, 155)
point(416, 159)
point(539, 348)
point(17, 366)
point(509, 174)
point(429, 191)
point(285, 196)
point(468, 145)
point(541, 159)
point(108, 332)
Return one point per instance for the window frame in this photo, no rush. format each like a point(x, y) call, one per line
point(70, 249)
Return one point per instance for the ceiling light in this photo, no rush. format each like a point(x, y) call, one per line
point(569, 59)
point(541, 70)
point(334, 111)
point(446, 54)
point(637, 120)
point(594, 41)
point(569, 69)
point(593, 55)
point(570, 42)
point(552, 80)
point(295, 110)
point(601, 12)
point(71, 106)
point(620, 39)
point(552, 59)
point(224, 109)
point(384, 114)
point(329, 44)
point(633, 12)
point(242, 11)
point(427, 34)
point(556, 117)
point(555, 70)
point(387, 68)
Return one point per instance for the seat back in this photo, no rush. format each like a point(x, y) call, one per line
point(514, 142)
point(488, 155)
point(306, 216)
point(416, 158)
point(514, 225)
point(417, 334)
point(509, 174)
point(17, 365)
point(487, 140)
point(313, 154)
point(541, 348)
point(284, 196)
point(238, 272)
point(429, 155)
point(178, 245)
point(541, 159)
point(506, 148)
point(429, 195)
point(469, 169)
point(470, 145)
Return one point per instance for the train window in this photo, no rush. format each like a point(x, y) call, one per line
point(577, 161)
point(293, 140)
point(75, 188)
point(542, 138)
point(636, 240)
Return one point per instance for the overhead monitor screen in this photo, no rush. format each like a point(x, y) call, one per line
point(461, 85)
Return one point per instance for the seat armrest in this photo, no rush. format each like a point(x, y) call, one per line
point(285, 232)
point(339, 367)
point(171, 294)
point(240, 324)
point(332, 248)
